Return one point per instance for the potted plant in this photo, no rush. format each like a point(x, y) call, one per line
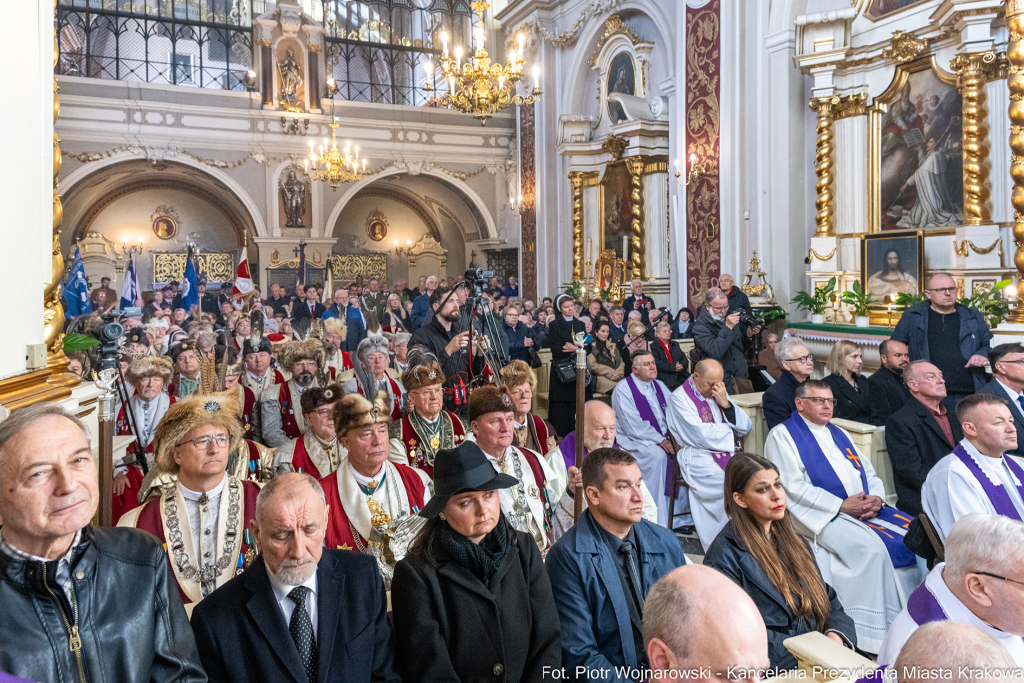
point(574, 289)
point(858, 299)
point(992, 306)
point(817, 302)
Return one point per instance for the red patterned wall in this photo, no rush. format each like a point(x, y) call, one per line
point(528, 215)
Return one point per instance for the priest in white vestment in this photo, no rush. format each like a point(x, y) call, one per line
point(641, 403)
point(968, 587)
point(705, 423)
point(838, 501)
point(977, 476)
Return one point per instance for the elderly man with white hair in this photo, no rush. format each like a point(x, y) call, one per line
point(70, 592)
point(371, 374)
point(797, 364)
point(980, 583)
point(967, 653)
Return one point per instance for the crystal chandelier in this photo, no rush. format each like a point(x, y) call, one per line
point(330, 166)
point(479, 87)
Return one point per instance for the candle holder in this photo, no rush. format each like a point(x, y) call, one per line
point(695, 174)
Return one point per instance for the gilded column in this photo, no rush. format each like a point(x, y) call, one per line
point(576, 178)
point(1015, 84)
point(824, 161)
point(973, 70)
point(638, 246)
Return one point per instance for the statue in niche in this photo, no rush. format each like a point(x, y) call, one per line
point(293, 199)
point(291, 79)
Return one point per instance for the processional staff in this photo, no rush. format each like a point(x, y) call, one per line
point(581, 397)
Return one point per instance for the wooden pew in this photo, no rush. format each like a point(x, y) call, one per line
point(540, 394)
point(824, 660)
point(750, 404)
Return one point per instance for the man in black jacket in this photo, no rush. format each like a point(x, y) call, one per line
point(443, 337)
point(887, 387)
point(69, 592)
point(309, 308)
point(300, 612)
point(719, 334)
point(779, 401)
point(920, 434)
point(638, 301)
point(1008, 382)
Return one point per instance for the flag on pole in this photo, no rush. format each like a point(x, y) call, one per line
point(243, 280)
point(190, 285)
point(76, 290)
point(328, 297)
point(131, 293)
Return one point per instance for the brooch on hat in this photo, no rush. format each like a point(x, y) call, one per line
point(505, 400)
point(375, 412)
point(328, 394)
point(431, 375)
point(212, 407)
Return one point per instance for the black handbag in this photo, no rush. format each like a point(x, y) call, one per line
point(565, 369)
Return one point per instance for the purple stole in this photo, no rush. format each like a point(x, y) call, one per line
point(707, 416)
point(643, 407)
point(996, 492)
point(568, 448)
point(822, 475)
point(923, 608)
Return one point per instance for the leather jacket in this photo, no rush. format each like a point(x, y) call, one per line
point(131, 625)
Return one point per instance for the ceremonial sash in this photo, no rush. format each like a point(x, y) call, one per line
point(248, 405)
point(996, 492)
point(644, 408)
point(823, 476)
point(923, 608)
point(707, 416)
point(413, 440)
point(541, 431)
point(533, 460)
point(342, 522)
point(568, 448)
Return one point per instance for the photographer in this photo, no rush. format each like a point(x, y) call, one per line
point(718, 334)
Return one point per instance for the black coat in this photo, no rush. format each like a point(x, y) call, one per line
point(729, 555)
point(617, 333)
point(646, 304)
point(667, 372)
point(721, 343)
point(242, 634)
point(516, 336)
point(854, 404)
point(779, 401)
point(888, 391)
point(915, 443)
point(994, 389)
point(300, 310)
point(450, 626)
point(560, 332)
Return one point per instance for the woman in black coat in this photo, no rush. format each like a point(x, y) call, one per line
point(471, 600)
point(562, 395)
point(760, 550)
point(850, 389)
point(672, 364)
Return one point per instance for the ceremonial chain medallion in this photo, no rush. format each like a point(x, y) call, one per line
point(436, 434)
point(204, 573)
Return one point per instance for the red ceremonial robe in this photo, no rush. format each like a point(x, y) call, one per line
point(412, 441)
point(129, 500)
point(302, 462)
point(248, 405)
point(339, 531)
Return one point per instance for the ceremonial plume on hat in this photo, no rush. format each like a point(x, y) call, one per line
point(424, 370)
point(336, 326)
point(218, 410)
point(150, 366)
point(517, 373)
point(290, 353)
point(488, 399)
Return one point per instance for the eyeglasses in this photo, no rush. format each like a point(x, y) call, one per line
point(801, 359)
point(324, 412)
point(431, 392)
point(523, 393)
point(1001, 578)
point(818, 400)
point(943, 290)
point(203, 442)
point(1019, 360)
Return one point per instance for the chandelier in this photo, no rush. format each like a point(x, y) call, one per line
point(479, 87)
point(330, 166)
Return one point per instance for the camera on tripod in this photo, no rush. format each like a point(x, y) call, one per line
point(476, 279)
point(109, 334)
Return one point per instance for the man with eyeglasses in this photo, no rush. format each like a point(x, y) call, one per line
point(202, 514)
point(951, 336)
point(371, 374)
point(837, 498)
point(415, 439)
point(719, 335)
point(779, 401)
point(317, 452)
point(977, 476)
point(981, 583)
point(1007, 363)
point(280, 403)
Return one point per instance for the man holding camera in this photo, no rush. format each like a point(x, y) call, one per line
point(719, 334)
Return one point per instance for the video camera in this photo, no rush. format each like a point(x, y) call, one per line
point(110, 333)
point(476, 279)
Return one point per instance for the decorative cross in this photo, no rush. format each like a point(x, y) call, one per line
point(853, 457)
point(299, 249)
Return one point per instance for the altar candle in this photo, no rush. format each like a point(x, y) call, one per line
point(428, 68)
point(590, 245)
point(521, 38)
point(444, 42)
point(625, 247)
point(693, 161)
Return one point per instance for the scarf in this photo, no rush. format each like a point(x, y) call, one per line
point(484, 558)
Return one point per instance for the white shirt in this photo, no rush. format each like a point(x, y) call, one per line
point(364, 480)
point(287, 605)
point(202, 519)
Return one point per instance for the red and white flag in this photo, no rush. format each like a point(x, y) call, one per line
point(243, 280)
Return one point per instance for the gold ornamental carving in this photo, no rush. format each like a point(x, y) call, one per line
point(613, 26)
point(905, 47)
point(615, 146)
point(851, 105)
point(973, 71)
point(1015, 84)
point(824, 160)
point(961, 249)
point(215, 267)
point(347, 267)
point(638, 246)
point(576, 179)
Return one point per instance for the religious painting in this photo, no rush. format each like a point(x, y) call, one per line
point(376, 225)
point(892, 263)
point(919, 143)
point(609, 271)
point(616, 209)
point(621, 78)
point(881, 8)
point(291, 90)
point(294, 199)
point(164, 222)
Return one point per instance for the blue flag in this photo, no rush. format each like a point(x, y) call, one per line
point(131, 294)
point(76, 291)
point(190, 285)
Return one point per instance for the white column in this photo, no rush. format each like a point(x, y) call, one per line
point(999, 155)
point(591, 224)
point(851, 182)
point(656, 214)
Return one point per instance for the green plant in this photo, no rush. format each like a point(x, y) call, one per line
point(574, 289)
point(858, 299)
point(904, 301)
point(992, 306)
point(816, 302)
point(79, 342)
point(772, 314)
point(605, 293)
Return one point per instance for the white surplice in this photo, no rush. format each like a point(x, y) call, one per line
point(697, 441)
point(952, 491)
point(636, 435)
point(851, 557)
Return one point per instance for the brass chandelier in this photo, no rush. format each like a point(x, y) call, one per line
point(479, 87)
point(330, 166)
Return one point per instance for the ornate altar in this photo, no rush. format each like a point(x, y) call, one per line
point(755, 284)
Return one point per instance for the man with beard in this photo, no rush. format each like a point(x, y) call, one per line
point(280, 404)
point(336, 334)
point(892, 279)
point(443, 338)
point(258, 375)
point(719, 334)
point(886, 383)
point(371, 374)
point(280, 620)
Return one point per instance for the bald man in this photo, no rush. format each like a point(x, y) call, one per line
point(966, 652)
point(953, 337)
point(700, 626)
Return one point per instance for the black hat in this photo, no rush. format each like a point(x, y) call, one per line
point(248, 347)
point(137, 335)
point(461, 469)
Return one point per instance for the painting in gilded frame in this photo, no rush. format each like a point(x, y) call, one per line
point(892, 263)
point(616, 208)
point(621, 79)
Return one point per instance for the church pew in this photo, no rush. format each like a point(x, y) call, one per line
point(750, 404)
point(540, 394)
point(824, 660)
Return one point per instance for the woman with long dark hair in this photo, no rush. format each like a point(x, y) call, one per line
point(761, 551)
point(604, 359)
point(472, 600)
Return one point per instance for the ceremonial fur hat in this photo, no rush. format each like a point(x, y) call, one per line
point(336, 326)
point(517, 373)
point(317, 397)
point(423, 374)
point(262, 346)
point(219, 410)
point(354, 410)
point(292, 352)
point(187, 345)
point(373, 343)
point(234, 369)
point(137, 335)
point(150, 366)
point(399, 338)
point(489, 399)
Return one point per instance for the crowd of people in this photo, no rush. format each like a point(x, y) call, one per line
point(354, 491)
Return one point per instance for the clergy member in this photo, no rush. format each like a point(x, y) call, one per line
point(641, 406)
point(977, 476)
point(371, 374)
point(706, 422)
point(279, 404)
point(531, 431)
point(836, 497)
point(317, 452)
point(202, 517)
point(416, 438)
point(258, 374)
